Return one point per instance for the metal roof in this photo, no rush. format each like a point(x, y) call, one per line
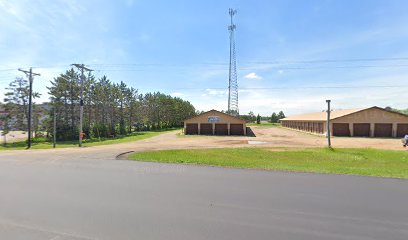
point(215, 111)
point(322, 116)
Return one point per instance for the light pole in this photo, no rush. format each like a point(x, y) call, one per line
point(328, 123)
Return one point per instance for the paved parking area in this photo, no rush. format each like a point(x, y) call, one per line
point(67, 194)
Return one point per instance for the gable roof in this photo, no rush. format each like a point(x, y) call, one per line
point(322, 116)
point(215, 111)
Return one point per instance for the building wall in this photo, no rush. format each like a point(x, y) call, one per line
point(372, 116)
point(318, 127)
point(222, 118)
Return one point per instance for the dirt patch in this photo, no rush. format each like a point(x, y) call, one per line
point(276, 138)
point(291, 138)
point(232, 142)
point(14, 136)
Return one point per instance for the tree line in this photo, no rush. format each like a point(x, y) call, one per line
point(251, 117)
point(276, 117)
point(110, 109)
point(403, 111)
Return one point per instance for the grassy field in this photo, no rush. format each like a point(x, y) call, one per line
point(44, 144)
point(264, 124)
point(366, 162)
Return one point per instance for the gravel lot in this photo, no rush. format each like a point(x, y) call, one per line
point(265, 137)
point(14, 136)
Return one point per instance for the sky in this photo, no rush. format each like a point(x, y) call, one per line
point(291, 55)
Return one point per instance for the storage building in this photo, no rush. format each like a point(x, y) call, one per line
point(359, 122)
point(214, 123)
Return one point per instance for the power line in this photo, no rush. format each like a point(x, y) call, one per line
point(283, 88)
point(259, 62)
point(333, 87)
point(254, 67)
point(8, 69)
point(332, 60)
point(266, 62)
point(334, 67)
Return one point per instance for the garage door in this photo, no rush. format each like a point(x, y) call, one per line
point(341, 129)
point(402, 129)
point(321, 128)
point(192, 129)
point(237, 129)
point(221, 129)
point(206, 129)
point(361, 129)
point(383, 130)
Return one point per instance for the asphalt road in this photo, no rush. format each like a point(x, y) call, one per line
point(108, 199)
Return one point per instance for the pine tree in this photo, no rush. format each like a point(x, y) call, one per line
point(111, 109)
point(16, 103)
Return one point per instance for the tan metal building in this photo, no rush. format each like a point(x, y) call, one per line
point(359, 122)
point(214, 123)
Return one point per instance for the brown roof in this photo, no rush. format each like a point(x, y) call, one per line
point(213, 110)
point(322, 116)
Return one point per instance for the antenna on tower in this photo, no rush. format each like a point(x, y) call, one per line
point(232, 79)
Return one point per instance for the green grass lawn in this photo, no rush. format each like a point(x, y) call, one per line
point(264, 124)
point(367, 162)
point(44, 144)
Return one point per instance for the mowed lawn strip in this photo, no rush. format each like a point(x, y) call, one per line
point(366, 162)
point(44, 144)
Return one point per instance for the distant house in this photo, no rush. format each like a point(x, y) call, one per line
point(359, 122)
point(214, 123)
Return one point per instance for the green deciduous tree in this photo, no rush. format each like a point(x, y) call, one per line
point(281, 115)
point(250, 117)
point(274, 118)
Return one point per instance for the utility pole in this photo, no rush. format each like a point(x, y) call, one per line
point(81, 106)
point(29, 74)
point(328, 123)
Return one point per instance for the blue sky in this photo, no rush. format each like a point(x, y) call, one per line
point(291, 55)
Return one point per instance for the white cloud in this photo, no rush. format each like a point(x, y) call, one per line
point(215, 92)
point(298, 100)
point(253, 76)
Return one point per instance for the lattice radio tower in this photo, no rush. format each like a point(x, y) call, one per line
point(233, 81)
